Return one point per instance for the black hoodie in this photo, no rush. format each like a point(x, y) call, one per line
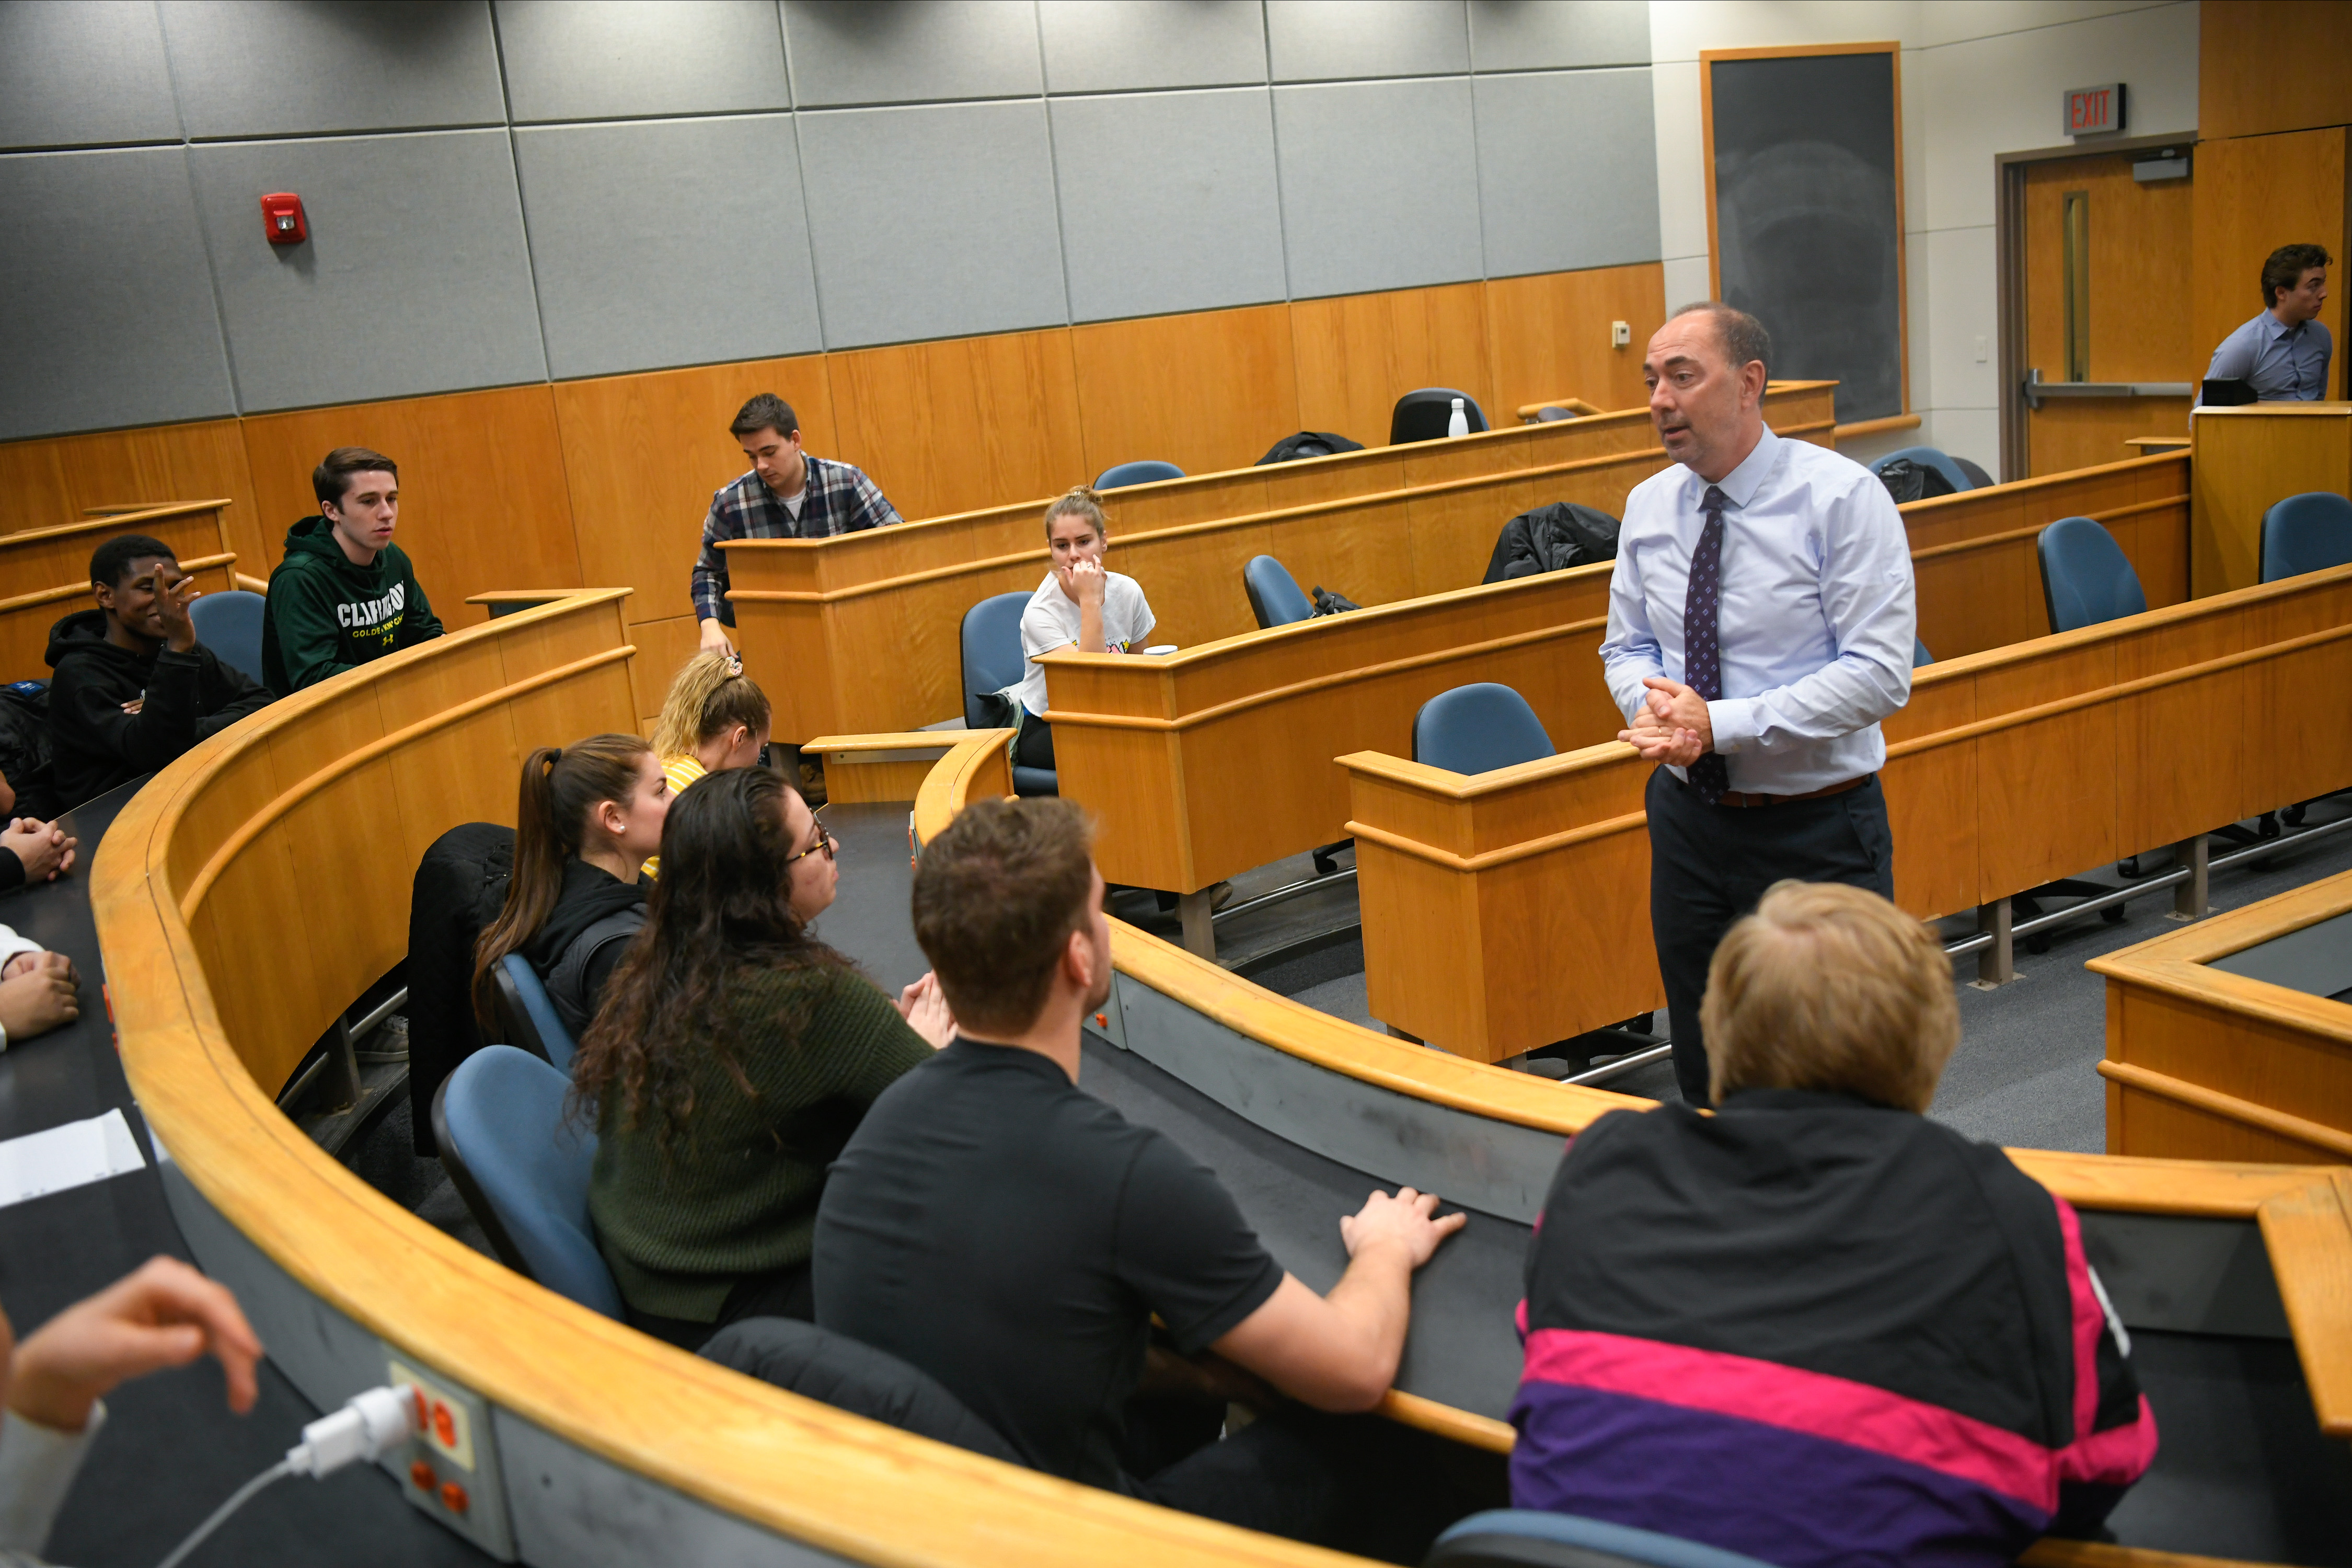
point(589, 894)
point(188, 696)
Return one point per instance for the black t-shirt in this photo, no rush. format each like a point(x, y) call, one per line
point(1011, 1235)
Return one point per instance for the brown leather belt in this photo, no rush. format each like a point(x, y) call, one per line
point(1736, 797)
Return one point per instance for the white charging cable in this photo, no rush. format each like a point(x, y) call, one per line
point(369, 1426)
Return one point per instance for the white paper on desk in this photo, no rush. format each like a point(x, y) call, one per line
point(79, 1152)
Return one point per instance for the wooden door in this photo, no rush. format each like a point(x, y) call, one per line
point(2129, 320)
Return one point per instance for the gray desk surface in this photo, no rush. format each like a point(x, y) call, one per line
point(2316, 960)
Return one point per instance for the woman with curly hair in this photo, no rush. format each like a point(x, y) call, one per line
point(734, 1055)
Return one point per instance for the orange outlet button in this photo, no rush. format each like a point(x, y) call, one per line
point(454, 1497)
point(445, 1426)
point(421, 1476)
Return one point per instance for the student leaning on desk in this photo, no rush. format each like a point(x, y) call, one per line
point(2283, 353)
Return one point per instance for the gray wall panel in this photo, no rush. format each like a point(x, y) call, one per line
point(253, 68)
point(1379, 185)
point(107, 322)
point(850, 51)
point(932, 222)
point(604, 59)
point(667, 242)
point(1568, 170)
point(1556, 34)
point(414, 279)
point(1125, 45)
point(1329, 40)
point(71, 75)
point(1168, 202)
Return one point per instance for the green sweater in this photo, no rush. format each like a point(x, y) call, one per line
point(735, 1193)
point(326, 614)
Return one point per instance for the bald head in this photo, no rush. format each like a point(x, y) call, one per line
point(1706, 374)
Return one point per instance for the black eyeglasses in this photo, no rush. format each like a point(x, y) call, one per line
point(825, 842)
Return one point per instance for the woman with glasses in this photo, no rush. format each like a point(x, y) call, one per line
point(734, 1055)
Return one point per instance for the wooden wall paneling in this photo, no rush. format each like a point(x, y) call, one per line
point(1452, 531)
point(53, 479)
point(2317, 751)
point(1193, 579)
point(2266, 65)
point(663, 648)
point(1549, 334)
point(485, 501)
point(966, 421)
point(59, 556)
point(2245, 460)
point(1357, 354)
point(253, 909)
point(2183, 768)
point(2070, 434)
point(1208, 390)
point(2050, 784)
point(1422, 918)
point(1932, 806)
point(643, 453)
point(2251, 195)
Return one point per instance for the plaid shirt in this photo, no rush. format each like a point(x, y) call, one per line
point(838, 499)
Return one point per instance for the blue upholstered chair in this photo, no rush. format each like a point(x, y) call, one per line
point(1529, 1538)
point(2309, 533)
point(230, 625)
point(521, 1165)
point(1928, 457)
point(2086, 579)
point(1977, 478)
point(1477, 728)
point(530, 1018)
point(1143, 471)
point(1422, 415)
point(1919, 654)
point(1275, 597)
point(992, 661)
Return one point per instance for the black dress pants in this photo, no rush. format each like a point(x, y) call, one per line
point(1709, 865)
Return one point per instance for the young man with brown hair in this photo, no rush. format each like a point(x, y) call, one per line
point(2283, 352)
point(1816, 1327)
point(787, 495)
point(997, 1226)
point(344, 594)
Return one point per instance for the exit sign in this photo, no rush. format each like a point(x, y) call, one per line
point(2095, 110)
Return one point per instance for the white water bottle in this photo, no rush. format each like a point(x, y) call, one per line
point(1457, 422)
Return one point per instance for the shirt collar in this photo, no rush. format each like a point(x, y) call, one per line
point(2275, 329)
point(1740, 484)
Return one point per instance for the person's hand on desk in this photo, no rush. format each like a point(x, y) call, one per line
point(36, 998)
point(714, 637)
point(165, 1314)
point(1673, 726)
point(45, 850)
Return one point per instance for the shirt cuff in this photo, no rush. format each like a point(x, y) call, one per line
point(37, 1466)
point(1733, 719)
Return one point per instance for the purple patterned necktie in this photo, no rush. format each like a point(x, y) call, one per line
point(1702, 647)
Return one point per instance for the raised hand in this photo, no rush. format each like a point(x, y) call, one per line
point(171, 602)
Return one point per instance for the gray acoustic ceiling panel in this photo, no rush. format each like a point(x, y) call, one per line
point(910, 51)
point(614, 60)
point(1334, 40)
point(74, 75)
point(1133, 45)
point(414, 279)
point(932, 222)
point(1568, 170)
point(667, 242)
point(1379, 184)
point(106, 324)
point(1168, 201)
point(250, 67)
point(1557, 34)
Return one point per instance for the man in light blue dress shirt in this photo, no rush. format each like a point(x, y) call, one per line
point(2283, 353)
point(1760, 624)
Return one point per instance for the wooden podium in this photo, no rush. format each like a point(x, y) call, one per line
point(2243, 461)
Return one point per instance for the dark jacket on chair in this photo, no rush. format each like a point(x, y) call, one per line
point(186, 696)
point(460, 886)
point(1550, 539)
point(596, 916)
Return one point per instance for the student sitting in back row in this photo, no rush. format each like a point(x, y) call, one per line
point(733, 1057)
point(1081, 604)
point(133, 687)
point(1816, 1327)
point(345, 593)
point(589, 815)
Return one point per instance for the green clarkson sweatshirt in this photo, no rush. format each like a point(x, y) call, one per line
point(326, 615)
point(735, 1193)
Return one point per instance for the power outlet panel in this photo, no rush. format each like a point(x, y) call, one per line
point(450, 1468)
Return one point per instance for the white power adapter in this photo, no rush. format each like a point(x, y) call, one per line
point(368, 1427)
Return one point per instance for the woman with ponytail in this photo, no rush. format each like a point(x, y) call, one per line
point(734, 1056)
point(588, 816)
point(715, 717)
point(1080, 604)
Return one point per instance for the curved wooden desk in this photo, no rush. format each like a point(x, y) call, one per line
point(860, 632)
point(58, 561)
point(2216, 1065)
point(261, 880)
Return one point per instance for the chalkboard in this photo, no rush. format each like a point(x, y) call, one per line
point(1805, 211)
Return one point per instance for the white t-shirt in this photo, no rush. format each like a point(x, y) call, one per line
point(1051, 621)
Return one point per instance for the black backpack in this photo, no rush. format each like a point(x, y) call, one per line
point(28, 757)
point(1908, 481)
point(1307, 444)
point(1551, 539)
point(461, 885)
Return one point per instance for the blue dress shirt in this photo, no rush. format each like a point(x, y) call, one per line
point(1816, 618)
point(2283, 364)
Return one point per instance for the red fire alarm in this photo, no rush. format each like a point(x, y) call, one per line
point(281, 215)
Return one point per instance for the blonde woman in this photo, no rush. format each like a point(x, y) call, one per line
point(1081, 604)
